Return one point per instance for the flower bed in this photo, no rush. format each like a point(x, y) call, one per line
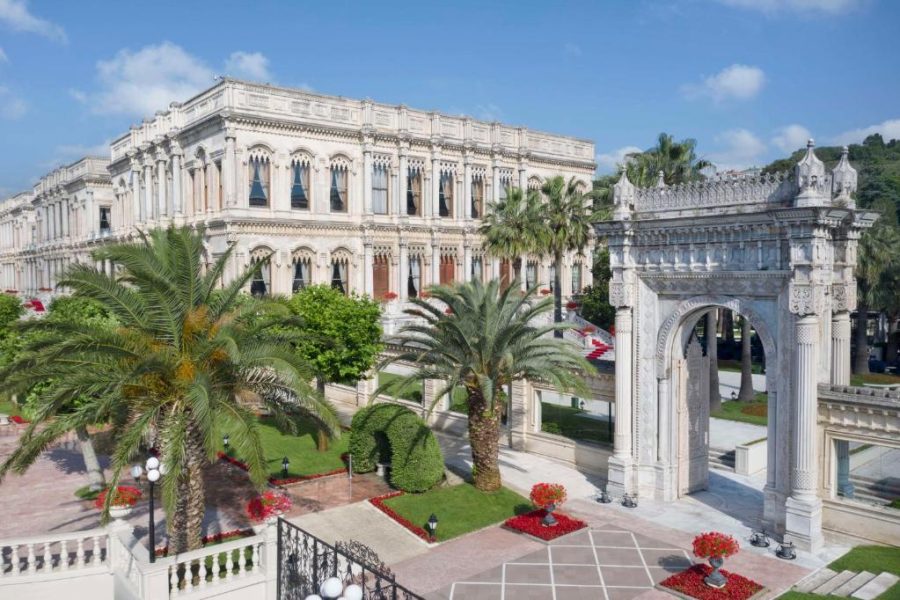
point(378, 502)
point(530, 523)
point(268, 504)
point(690, 583)
point(216, 538)
point(283, 481)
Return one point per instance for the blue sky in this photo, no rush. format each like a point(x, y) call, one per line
point(749, 79)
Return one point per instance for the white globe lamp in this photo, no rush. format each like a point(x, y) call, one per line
point(353, 592)
point(331, 588)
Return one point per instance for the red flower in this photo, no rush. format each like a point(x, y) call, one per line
point(390, 295)
point(545, 291)
point(690, 582)
point(571, 305)
point(713, 543)
point(268, 504)
point(378, 502)
point(544, 494)
point(19, 420)
point(530, 523)
point(216, 538)
point(124, 495)
point(448, 311)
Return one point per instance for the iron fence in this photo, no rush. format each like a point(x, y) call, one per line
point(305, 561)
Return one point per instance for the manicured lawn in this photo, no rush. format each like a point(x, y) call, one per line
point(735, 365)
point(413, 395)
point(873, 559)
point(879, 378)
point(459, 508)
point(9, 408)
point(755, 412)
point(301, 451)
point(574, 424)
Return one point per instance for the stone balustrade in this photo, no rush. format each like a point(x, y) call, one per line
point(216, 566)
point(721, 190)
point(53, 553)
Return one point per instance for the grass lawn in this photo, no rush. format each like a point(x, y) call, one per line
point(9, 408)
point(755, 412)
point(735, 365)
point(572, 423)
point(873, 559)
point(459, 508)
point(301, 451)
point(413, 395)
point(879, 378)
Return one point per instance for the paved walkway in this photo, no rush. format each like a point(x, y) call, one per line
point(726, 434)
point(730, 381)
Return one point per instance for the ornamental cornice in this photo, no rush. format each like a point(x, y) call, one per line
point(746, 283)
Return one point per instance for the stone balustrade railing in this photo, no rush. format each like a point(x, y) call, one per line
point(216, 566)
point(721, 190)
point(54, 553)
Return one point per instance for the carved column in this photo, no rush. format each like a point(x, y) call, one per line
point(367, 180)
point(467, 195)
point(620, 464)
point(435, 254)
point(66, 214)
point(523, 178)
point(403, 272)
point(162, 183)
point(495, 182)
point(368, 264)
point(229, 169)
point(467, 260)
point(148, 192)
point(177, 198)
point(135, 193)
point(433, 204)
point(840, 348)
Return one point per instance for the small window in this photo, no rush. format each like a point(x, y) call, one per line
point(477, 269)
point(301, 274)
point(380, 190)
point(338, 189)
point(299, 187)
point(414, 193)
point(477, 197)
point(530, 275)
point(261, 284)
point(259, 182)
point(445, 195)
point(339, 280)
point(576, 278)
point(504, 189)
point(105, 219)
point(414, 278)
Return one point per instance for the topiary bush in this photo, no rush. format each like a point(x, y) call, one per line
point(416, 460)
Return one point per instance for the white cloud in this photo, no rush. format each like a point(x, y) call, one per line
point(248, 65)
point(739, 149)
point(792, 137)
point(11, 106)
point(572, 49)
point(609, 162)
point(489, 112)
point(16, 16)
point(739, 82)
point(3, 57)
point(808, 7)
point(889, 130)
point(140, 83)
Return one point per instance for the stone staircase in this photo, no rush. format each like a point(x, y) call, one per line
point(847, 584)
point(722, 459)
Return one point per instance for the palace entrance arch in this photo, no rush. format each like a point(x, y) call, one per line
point(777, 248)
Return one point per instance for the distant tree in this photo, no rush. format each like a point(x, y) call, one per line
point(595, 306)
point(339, 335)
point(10, 310)
point(510, 226)
point(678, 162)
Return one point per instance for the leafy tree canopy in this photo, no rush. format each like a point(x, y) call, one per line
point(10, 310)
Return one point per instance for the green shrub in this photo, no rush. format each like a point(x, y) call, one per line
point(416, 460)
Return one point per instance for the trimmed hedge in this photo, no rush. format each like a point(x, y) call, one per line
point(416, 460)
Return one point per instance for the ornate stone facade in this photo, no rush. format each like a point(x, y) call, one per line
point(779, 249)
point(381, 199)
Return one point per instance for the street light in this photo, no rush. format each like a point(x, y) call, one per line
point(154, 470)
point(285, 463)
point(432, 524)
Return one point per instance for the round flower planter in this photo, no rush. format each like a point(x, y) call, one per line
point(119, 512)
point(715, 579)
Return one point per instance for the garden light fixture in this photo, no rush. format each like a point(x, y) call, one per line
point(759, 539)
point(629, 502)
point(604, 498)
point(225, 440)
point(285, 463)
point(154, 469)
point(733, 395)
point(432, 524)
point(786, 551)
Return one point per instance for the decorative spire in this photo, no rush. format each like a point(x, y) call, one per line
point(811, 178)
point(843, 180)
point(623, 196)
point(660, 179)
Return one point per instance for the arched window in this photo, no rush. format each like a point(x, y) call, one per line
point(505, 183)
point(414, 277)
point(381, 276)
point(340, 272)
point(339, 185)
point(477, 269)
point(531, 274)
point(259, 181)
point(414, 192)
point(477, 196)
point(380, 189)
point(445, 195)
point(261, 284)
point(302, 269)
point(576, 278)
point(448, 269)
point(300, 185)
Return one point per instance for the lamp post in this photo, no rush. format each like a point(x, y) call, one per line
point(432, 525)
point(154, 470)
point(285, 463)
point(225, 440)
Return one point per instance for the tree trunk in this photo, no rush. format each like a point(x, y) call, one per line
point(185, 527)
point(728, 326)
point(712, 352)
point(91, 464)
point(861, 361)
point(321, 437)
point(746, 393)
point(484, 438)
point(557, 292)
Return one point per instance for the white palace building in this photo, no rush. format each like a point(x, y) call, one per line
point(371, 198)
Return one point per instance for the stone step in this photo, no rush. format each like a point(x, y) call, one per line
point(815, 580)
point(876, 587)
point(834, 583)
point(858, 580)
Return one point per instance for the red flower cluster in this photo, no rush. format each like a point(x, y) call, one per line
point(19, 420)
point(530, 523)
point(216, 538)
point(690, 582)
point(378, 502)
point(571, 305)
point(714, 543)
point(545, 291)
point(544, 494)
point(390, 295)
point(124, 495)
point(589, 329)
point(268, 504)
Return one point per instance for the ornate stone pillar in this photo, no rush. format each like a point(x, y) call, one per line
point(620, 464)
point(495, 181)
point(367, 179)
point(467, 195)
point(435, 254)
point(433, 204)
point(229, 169)
point(177, 175)
point(803, 524)
point(467, 260)
point(368, 264)
point(403, 272)
point(66, 218)
point(162, 180)
point(523, 178)
point(840, 348)
point(400, 203)
point(148, 191)
point(135, 193)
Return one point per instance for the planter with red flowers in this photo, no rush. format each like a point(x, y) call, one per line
point(268, 504)
point(389, 296)
point(715, 547)
point(544, 523)
point(570, 305)
point(691, 583)
point(545, 292)
point(124, 497)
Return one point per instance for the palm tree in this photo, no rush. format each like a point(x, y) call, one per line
point(187, 362)
point(510, 226)
point(566, 217)
point(482, 338)
point(677, 161)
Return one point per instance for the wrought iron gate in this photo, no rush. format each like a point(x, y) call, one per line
point(305, 561)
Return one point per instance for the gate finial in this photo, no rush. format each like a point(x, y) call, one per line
point(811, 178)
point(623, 196)
point(843, 179)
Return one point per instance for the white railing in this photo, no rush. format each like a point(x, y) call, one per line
point(215, 566)
point(720, 190)
point(55, 553)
